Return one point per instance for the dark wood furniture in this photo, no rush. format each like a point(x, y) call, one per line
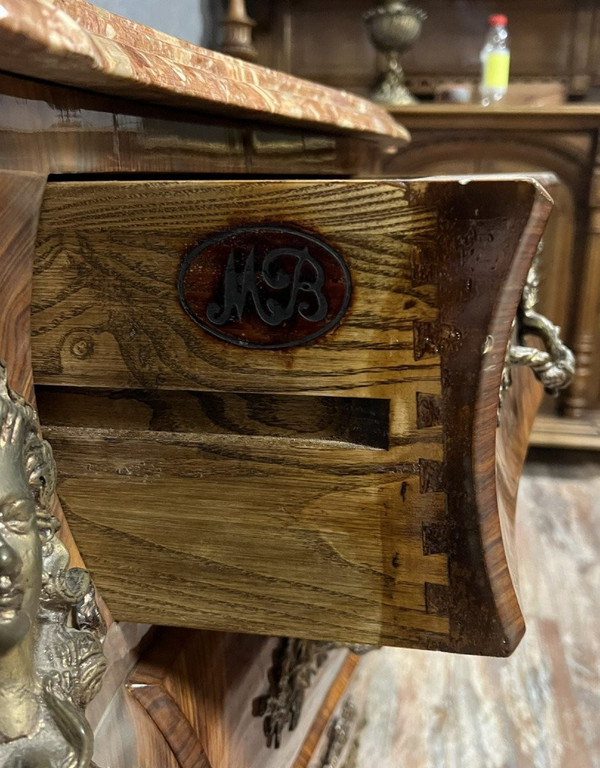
point(351, 486)
point(564, 140)
point(554, 56)
point(328, 43)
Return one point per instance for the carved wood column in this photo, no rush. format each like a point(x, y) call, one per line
point(588, 298)
point(237, 32)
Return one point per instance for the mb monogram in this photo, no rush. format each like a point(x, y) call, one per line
point(265, 287)
point(308, 278)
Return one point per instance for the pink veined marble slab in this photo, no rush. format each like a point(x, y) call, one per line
point(74, 43)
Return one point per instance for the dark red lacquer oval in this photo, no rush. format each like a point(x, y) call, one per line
point(264, 287)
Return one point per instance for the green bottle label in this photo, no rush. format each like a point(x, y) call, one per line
point(495, 70)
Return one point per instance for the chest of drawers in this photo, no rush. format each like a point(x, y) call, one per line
point(271, 385)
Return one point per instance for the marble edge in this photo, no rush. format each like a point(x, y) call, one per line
point(74, 43)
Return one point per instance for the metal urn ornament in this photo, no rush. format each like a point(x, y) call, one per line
point(394, 27)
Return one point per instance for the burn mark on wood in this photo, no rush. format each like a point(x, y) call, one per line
point(483, 611)
point(424, 267)
point(403, 489)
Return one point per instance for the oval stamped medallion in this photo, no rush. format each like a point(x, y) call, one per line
point(264, 287)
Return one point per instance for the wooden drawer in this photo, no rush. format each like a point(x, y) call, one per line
point(273, 404)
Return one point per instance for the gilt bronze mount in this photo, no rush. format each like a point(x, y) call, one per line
point(295, 664)
point(51, 660)
point(553, 366)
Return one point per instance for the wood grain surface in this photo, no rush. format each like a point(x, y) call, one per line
point(198, 688)
point(518, 409)
point(555, 432)
point(322, 722)
point(109, 135)
point(354, 420)
point(124, 733)
point(20, 201)
point(127, 735)
point(118, 248)
point(326, 535)
point(470, 139)
point(557, 117)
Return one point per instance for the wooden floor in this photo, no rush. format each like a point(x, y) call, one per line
point(541, 707)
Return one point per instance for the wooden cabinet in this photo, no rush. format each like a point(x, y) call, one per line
point(152, 706)
point(563, 139)
point(272, 388)
point(328, 42)
point(554, 48)
point(193, 699)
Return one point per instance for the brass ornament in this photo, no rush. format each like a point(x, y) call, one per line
point(295, 663)
point(553, 366)
point(339, 735)
point(393, 28)
point(51, 660)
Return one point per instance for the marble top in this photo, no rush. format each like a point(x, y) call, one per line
point(77, 44)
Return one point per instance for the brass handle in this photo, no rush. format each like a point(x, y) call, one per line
point(554, 366)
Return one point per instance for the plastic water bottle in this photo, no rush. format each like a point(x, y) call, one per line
point(495, 61)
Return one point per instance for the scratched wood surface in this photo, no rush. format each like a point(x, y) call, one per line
point(350, 532)
point(118, 246)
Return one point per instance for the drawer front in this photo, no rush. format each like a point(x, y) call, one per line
point(108, 311)
point(273, 403)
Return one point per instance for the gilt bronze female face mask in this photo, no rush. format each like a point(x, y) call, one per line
point(20, 547)
point(20, 562)
point(43, 689)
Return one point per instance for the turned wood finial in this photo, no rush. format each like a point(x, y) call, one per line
point(237, 32)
